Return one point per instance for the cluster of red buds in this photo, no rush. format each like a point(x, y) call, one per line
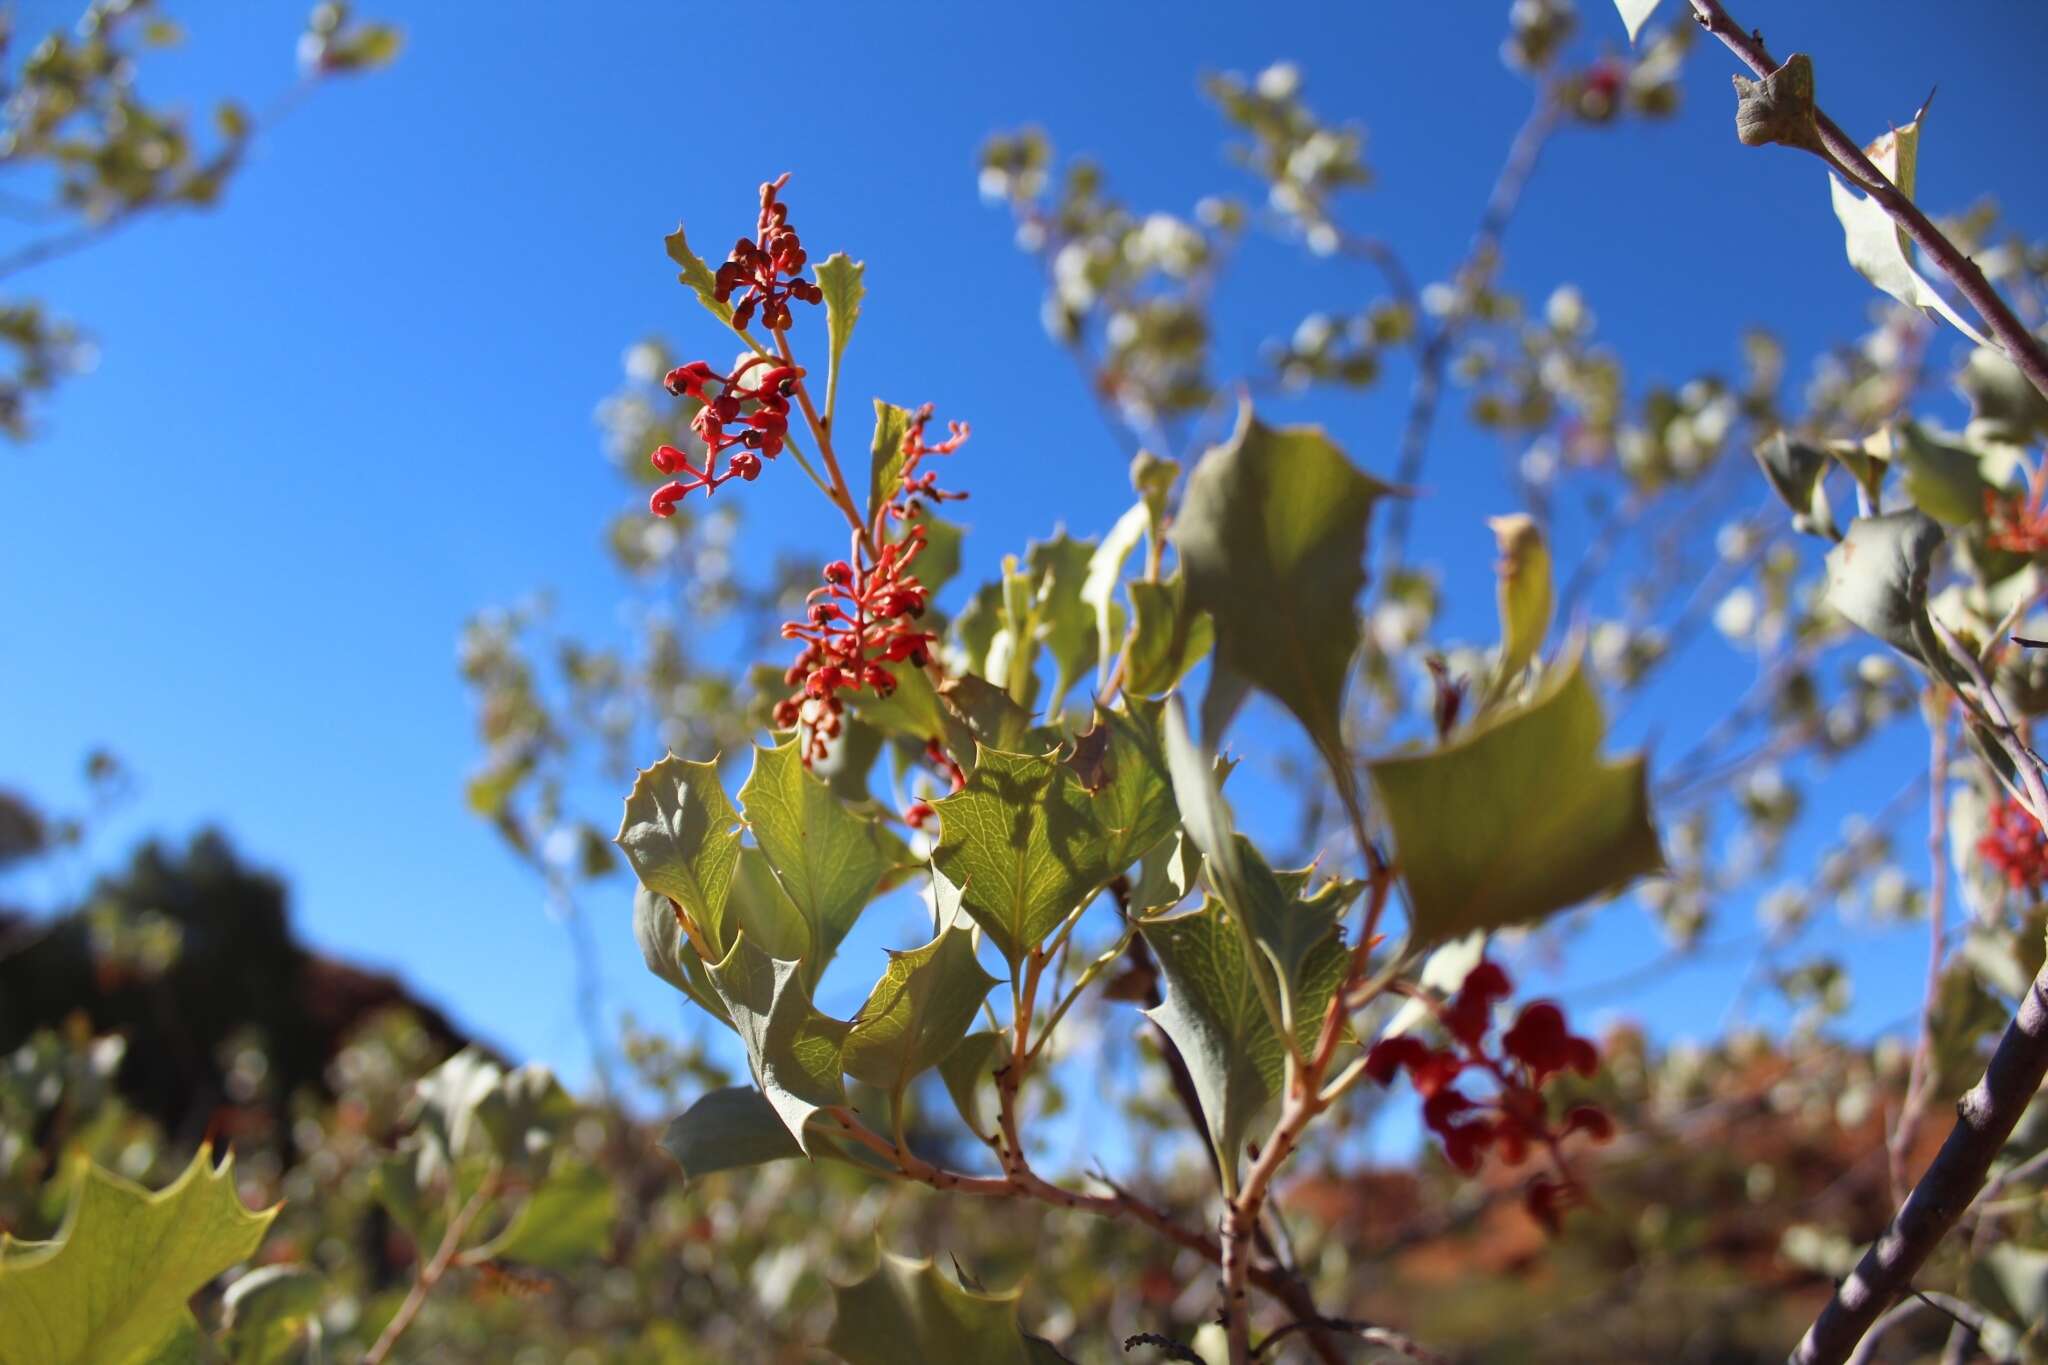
point(854, 627)
point(915, 486)
point(767, 267)
point(1516, 1117)
point(756, 405)
point(2018, 523)
point(2016, 846)
point(935, 754)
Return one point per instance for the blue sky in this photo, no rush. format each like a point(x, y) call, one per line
point(353, 405)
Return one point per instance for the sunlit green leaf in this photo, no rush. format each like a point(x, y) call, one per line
point(565, 1222)
point(1105, 572)
point(885, 470)
point(918, 1012)
point(1023, 843)
point(111, 1287)
point(826, 858)
point(1519, 817)
point(697, 275)
point(1067, 624)
point(1942, 480)
point(840, 279)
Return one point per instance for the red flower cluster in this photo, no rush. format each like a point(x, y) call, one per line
point(912, 486)
point(856, 625)
point(2016, 846)
point(767, 267)
point(2019, 523)
point(1516, 1117)
point(935, 754)
point(756, 404)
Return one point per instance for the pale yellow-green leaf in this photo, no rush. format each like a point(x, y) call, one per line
point(111, 1287)
point(1517, 818)
point(1878, 247)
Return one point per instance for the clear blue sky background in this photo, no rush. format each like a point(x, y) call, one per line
point(352, 406)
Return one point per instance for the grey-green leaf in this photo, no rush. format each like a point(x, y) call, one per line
point(682, 837)
point(1213, 1012)
point(1272, 534)
point(1877, 576)
point(794, 1050)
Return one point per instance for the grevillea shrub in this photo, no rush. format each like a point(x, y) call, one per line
point(1035, 827)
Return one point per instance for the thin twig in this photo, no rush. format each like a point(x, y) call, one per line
point(430, 1275)
point(2021, 346)
point(1374, 1336)
point(1427, 393)
point(1920, 1082)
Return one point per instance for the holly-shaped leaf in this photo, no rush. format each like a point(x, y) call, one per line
point(907, 1311)
point(112, 1286)
point(1168, 637)
point(918, 1012)
point(1133, 797)
point(1067, 624)
point(1023, 843)
point(840, 280)
point(1214, 1013)
point(696, 275)
point(1517, 818)
point(885, 469)
point(1878, 247)
point(734, 1128)
point(794, 1050)
point(1272, 535)
point(827, 859)
point(565, 1222)
point(682, 836)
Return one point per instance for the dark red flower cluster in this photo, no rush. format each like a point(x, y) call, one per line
point(2017, 522)
point(2016, 846)
point(766, 268)
point(755, 404)
point(1516, 1116)
point(855, 626)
